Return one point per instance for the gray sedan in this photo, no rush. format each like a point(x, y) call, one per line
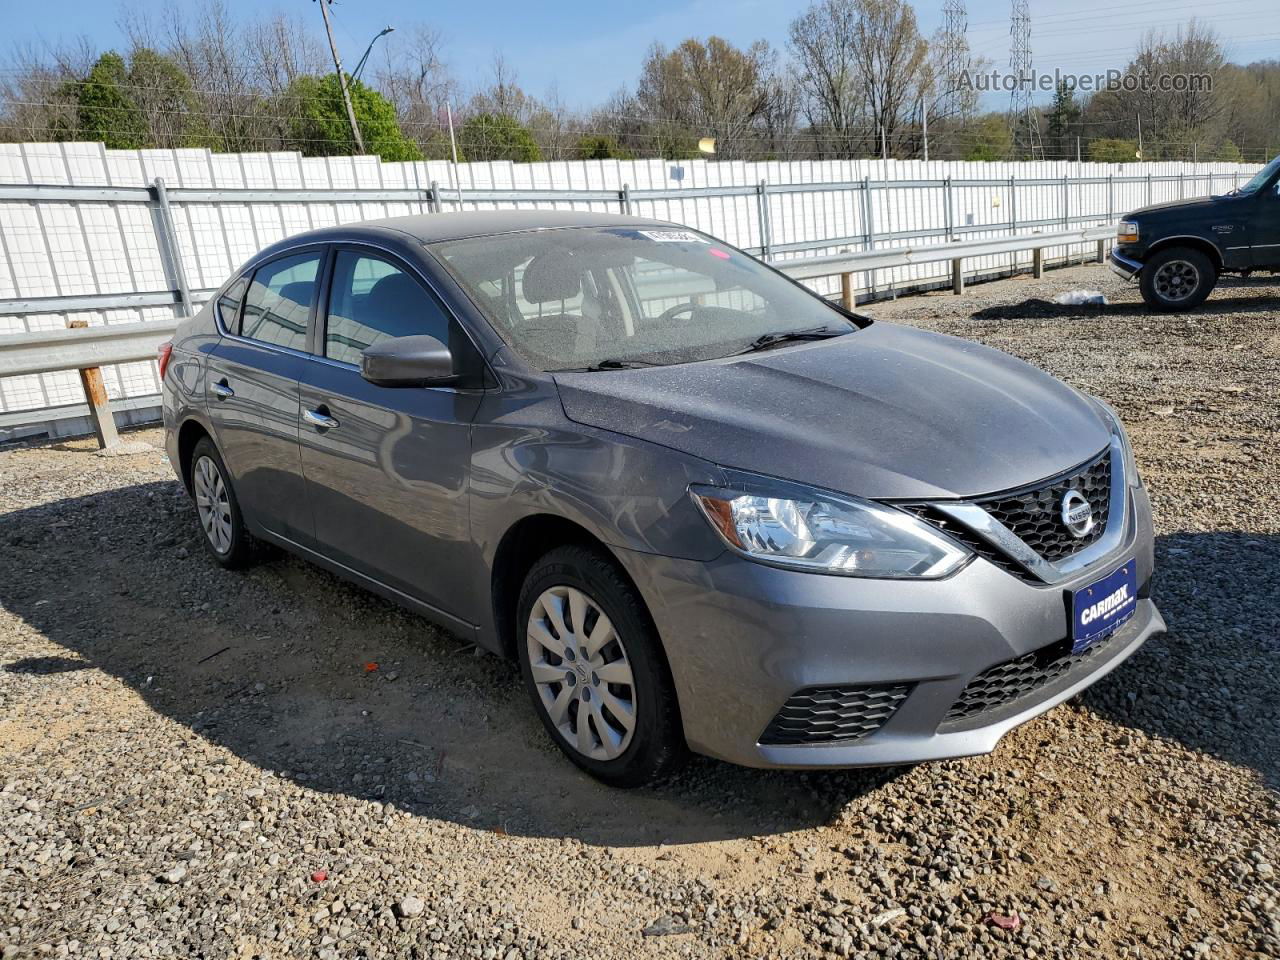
point(702, 507)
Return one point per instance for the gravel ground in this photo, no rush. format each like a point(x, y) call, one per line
point(195, 762)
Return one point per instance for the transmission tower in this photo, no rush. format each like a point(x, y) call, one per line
point(955, 56)
point(1024, 124)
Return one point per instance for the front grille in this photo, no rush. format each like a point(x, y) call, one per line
point(834, 714)
point(1035, 514)
point(1016, 679)
point(977, 544)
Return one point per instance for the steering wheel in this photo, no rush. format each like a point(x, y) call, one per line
point(671, 312)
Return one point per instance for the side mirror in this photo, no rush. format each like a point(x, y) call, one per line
point(420, 361)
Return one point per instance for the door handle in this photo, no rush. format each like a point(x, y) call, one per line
point(320, 418)
point(222, 390)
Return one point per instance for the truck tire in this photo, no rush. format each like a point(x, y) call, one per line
point(1176, 279)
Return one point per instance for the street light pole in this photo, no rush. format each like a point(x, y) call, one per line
point(355, 74)
point(342, 77)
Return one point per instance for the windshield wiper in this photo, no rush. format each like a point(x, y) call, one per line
point(766, 340)
point(615, 363)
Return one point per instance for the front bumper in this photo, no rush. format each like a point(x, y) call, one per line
point(742, 638)
point(1124, 266)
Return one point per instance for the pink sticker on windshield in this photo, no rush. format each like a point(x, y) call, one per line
point(718, 253)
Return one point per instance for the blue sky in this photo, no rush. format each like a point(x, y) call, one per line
point(587, 50)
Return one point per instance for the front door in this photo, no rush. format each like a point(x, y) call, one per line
point(387, 467)
point(252, 391)
point(1264, 228)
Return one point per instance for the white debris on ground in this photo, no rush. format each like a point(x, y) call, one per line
point(1076, 298)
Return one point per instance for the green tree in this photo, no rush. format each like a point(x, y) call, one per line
point(991, 139)
point(497, 136)
point(1063, 117)
point(166, 101)
point(1228, 152)
point(104, 108)
point(318, 126)
point(1113, 150)
point(599, 146)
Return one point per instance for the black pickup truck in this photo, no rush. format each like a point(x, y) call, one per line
point(1178, 250)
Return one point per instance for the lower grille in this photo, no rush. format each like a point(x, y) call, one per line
point(1013, 680)
point(834, 714)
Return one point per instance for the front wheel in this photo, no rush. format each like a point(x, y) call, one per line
point(595, 670)
point(1177, 278)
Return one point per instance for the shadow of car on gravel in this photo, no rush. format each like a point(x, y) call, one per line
point(300, 673)
point(1232, 296)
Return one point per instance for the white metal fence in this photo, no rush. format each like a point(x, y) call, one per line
point(88, 233)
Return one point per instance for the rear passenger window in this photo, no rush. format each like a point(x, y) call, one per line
point(372, 300)
point(229, 304)
point(279, 301)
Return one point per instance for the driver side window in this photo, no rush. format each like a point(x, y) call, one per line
point(372, 300)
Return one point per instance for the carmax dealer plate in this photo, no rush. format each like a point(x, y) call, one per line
point(1103, 606)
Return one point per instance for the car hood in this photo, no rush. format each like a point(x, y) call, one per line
point(887, 412)
point(1174, 207)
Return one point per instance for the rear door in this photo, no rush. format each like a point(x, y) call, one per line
point(387, 467)
point(252, 389)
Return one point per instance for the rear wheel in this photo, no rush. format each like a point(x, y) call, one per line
point(594, 669)
point(1178, 278)
point(221, 525)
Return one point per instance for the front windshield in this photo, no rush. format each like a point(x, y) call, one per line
point(1260, 178)
point(578, 297)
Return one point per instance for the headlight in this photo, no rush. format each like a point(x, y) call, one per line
point(1117, 428)
point(812, 530)
point(1127, 231)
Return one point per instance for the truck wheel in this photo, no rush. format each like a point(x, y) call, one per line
point(1178, 278)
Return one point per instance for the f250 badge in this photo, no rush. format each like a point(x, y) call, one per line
point(1223, 227)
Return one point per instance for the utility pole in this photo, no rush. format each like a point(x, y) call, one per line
point(342, 77)
point(924, 123)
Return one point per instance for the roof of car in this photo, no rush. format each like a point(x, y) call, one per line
point(434, 227)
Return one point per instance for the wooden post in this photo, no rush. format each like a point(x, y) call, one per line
point(846, 291)
point(1037, 262)
point(957, 277)
point(95, 394)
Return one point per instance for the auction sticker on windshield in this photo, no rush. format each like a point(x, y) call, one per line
point(1102, 606)
point(672, 236)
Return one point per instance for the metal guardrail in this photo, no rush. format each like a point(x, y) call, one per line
point(809, 268)
point(88, 348)
point(82, 348)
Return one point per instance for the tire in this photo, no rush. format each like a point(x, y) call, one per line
point(624, 676)
point(1176, 279)
point(222, 529)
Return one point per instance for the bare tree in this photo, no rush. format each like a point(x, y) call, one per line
point(708, 89)
point(504, 96)
point(417, 81)
point(861, 63)
point(1175, 122)
point(835, 101)
point(37, 95)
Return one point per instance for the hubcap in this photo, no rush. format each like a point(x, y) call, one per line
point(582, 673)
point(212, 504)
point(1177, 280)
